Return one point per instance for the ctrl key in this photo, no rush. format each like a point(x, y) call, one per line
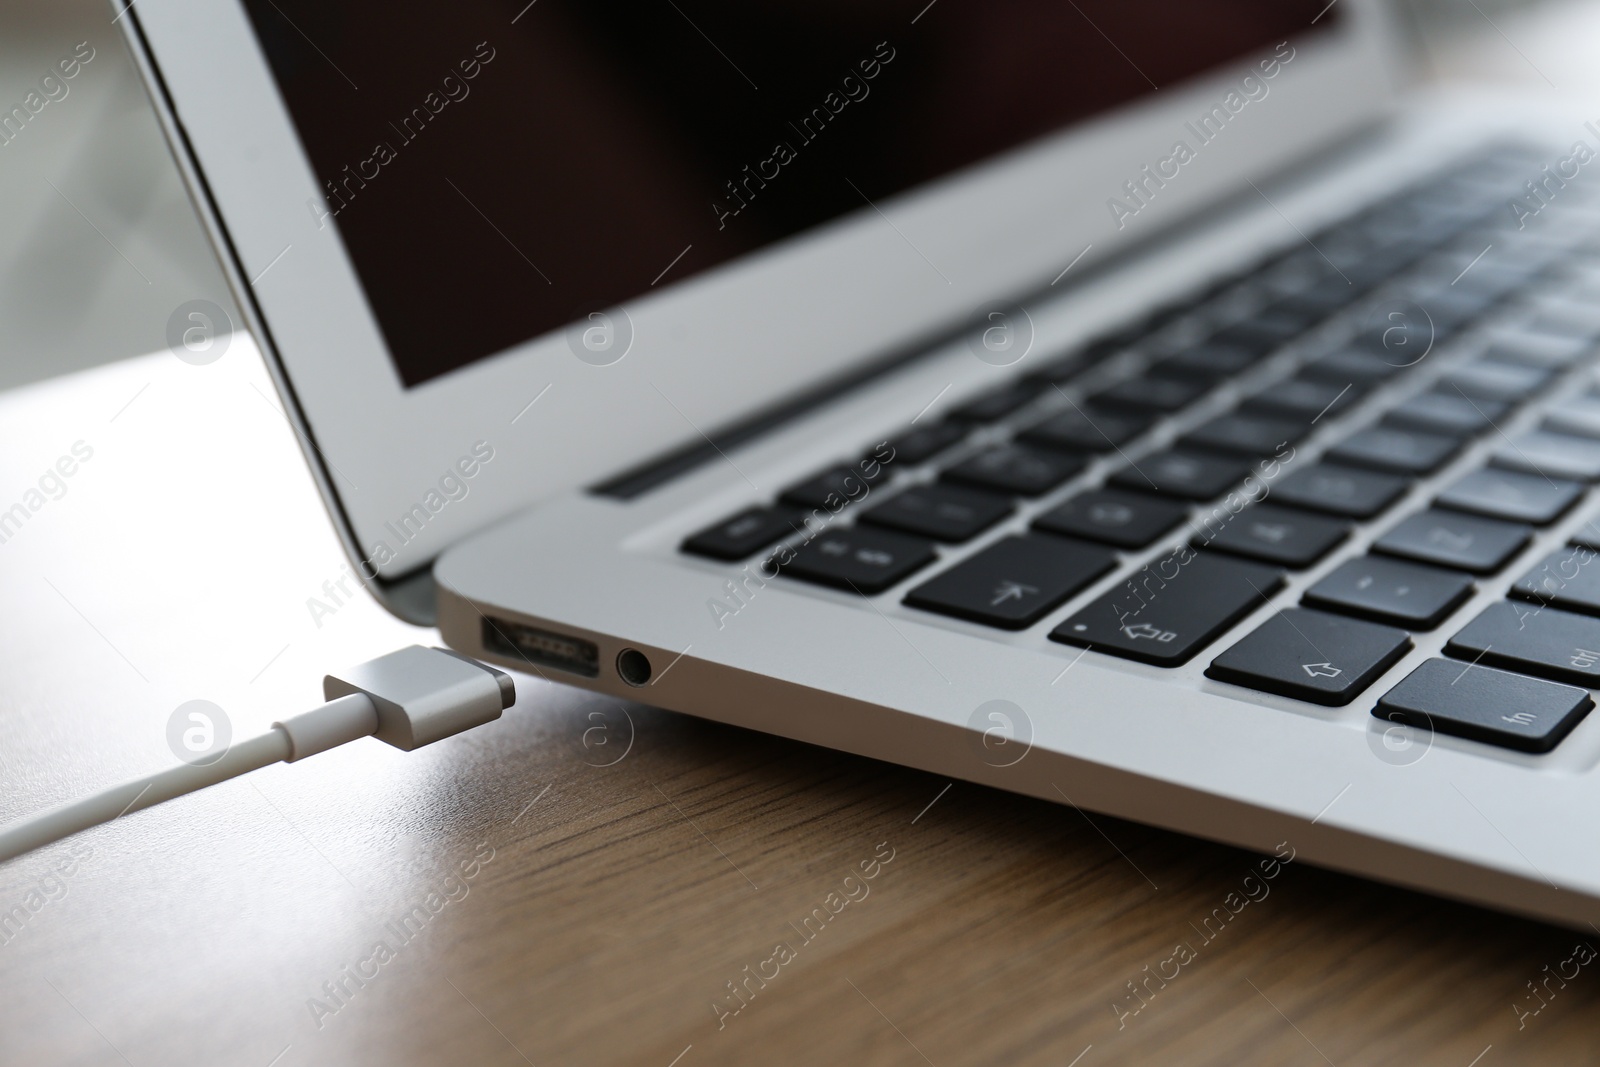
point(744, 534)
point(1484, 704)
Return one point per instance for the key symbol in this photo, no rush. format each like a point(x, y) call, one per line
point(1104, 514)
point(1506, 491)
point(1009, 590)
point(875, 557)
point(1271, 532)
point(1521, 718)
point(1149, 631)
point(1338, 488)
point(1322, 670)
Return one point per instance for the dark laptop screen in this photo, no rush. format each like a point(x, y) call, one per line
point(497, 167)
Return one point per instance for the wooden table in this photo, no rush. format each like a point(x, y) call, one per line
point(585, 883)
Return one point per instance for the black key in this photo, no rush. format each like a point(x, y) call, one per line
point(1016, 469)
point(1447, 413)
point(1491, 286)
point(1530, 639)
point(1588, 535)
point(1191, 475)
point(1244, 435)
point(1484, 704)
point(863, 559)
point(1387, 448)
point(1014, 582)
point(1273, 534)
point(1567, 578)
point(1304, 399)
point(1449, 539)
point(1564, 318)
point(1127, 520)
point(1087, 430)
point(1156, 619)
point(1323, 298)
point(1378, 266)
point(1208, 362)
point(1152, 392)
point(1166, 314)
point(1492, 380)
point(1356, 365)
point(1387, 590)
point(744, 534)
point(1554, 455)
point(1064, 368)
point(1576, 415)
point(1265, 330)
point(833, 489)
point(1448, 311)
point(1540, 350)
point(921, 443)
point(997, 403)
point(1336, 490)
point(1511, 495)
point(940, 512)
point(1294, 272)
point(1308, 655)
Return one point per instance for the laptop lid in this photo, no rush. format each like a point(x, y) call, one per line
point(503, 248)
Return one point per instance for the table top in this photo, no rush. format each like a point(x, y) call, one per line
point(585, 882)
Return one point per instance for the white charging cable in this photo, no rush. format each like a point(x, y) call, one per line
point(409, 698)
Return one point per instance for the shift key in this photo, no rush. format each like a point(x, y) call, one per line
point(1529, 639)
point(1171, 609)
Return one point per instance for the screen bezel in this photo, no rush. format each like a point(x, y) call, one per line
point(816, 306)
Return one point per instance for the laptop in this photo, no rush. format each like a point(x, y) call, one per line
point(1151, 408)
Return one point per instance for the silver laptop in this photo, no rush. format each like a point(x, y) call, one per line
point(1146, 407)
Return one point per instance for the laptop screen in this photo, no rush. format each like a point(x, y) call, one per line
point(498, 168)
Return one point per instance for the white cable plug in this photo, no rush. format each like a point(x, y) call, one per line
point(408, 698)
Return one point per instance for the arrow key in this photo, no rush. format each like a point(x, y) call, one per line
point(1309, 655)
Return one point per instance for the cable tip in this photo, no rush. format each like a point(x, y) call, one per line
point(423, 695)
point(508, 687)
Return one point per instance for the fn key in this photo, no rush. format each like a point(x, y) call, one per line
point(1504, 709)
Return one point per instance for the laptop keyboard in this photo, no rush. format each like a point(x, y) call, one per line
point(1525, 663)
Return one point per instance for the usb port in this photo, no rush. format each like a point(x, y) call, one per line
point(541, 647)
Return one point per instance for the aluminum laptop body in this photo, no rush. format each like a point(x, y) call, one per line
point(1145, 408)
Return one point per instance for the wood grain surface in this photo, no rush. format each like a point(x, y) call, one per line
point(587, 883)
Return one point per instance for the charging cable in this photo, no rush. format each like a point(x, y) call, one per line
point(409, 698)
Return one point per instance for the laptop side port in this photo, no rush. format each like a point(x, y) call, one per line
point(541, 647)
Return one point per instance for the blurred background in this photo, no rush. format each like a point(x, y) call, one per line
point(98, 242)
